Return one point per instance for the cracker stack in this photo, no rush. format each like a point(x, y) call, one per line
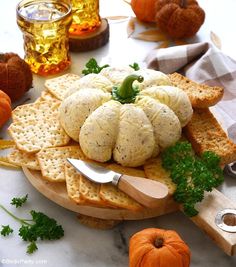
point(36, 126)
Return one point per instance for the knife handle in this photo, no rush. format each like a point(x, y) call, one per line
point(145, 191)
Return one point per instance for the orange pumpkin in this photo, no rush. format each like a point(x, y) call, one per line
point(155, 247)
point(5, 108)
point(179, 18)
point(144, 9)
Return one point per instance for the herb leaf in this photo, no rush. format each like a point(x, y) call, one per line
point(31, 248)
point(40, 226)
point(43, 228)
point(93, 67)
point(19, 201)
point(135, 66)
point(6, 230)
point(193, 175)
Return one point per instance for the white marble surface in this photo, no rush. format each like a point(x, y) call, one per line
point(82, 246)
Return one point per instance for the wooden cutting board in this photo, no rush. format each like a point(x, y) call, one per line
point(213, 203)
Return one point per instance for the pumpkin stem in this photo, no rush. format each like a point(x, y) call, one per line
point(159, 242)
point(126, 92)
point(183, 3)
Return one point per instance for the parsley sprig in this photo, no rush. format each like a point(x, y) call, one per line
point(93, 67)
point(6, 230)
point(42, 227)
point(193, 175)
point(39, 226)
point(31, 248)
point(19, 201)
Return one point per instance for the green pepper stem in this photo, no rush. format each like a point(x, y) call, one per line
point(126, 90)
point(22, 221)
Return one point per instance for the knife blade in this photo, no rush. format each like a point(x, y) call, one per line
point(94, 172)
point(147, 192)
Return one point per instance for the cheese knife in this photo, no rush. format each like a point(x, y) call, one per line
point(147, 192)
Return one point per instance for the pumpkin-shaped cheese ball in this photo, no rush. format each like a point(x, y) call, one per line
point(76, 108)
point(166, 125)
point(132, 127)
point(116, 74)
point(135, 139)
point(174, 98)
point(91, 80)
point(151, 78)
point(98, 135)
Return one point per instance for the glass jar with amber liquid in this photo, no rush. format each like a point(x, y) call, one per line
point(45, 25)
point(85, 16)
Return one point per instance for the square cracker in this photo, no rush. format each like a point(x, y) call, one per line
point(37, 110)
point(23, 159)
point(60, 85)
point(73, 184)
point(36, 126)
point(52, 161)
point(82, 190)
point(116, 198)
point(90, 191)
point(34, 134)
point(113, 196)
point(154, 170)
point(46, 96)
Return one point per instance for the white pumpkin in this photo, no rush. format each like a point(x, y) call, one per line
point(75, 109)
point(132, 132)
point(116, 74)
point(152, 78)
point(91, 81)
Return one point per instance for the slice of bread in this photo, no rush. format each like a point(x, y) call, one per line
point(205, 134)
point(200, 95)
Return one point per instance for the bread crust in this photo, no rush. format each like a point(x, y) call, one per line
point(200, 95)
point(205, 134)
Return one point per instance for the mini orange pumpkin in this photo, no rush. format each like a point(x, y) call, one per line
point(15, 75)
point(144, 9)
point(5, 108)
point(179, 18)
point(155, 247)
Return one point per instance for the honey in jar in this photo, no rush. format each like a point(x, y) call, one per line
point(45, 25)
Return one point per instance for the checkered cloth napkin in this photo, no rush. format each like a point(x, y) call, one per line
point(203, 63)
